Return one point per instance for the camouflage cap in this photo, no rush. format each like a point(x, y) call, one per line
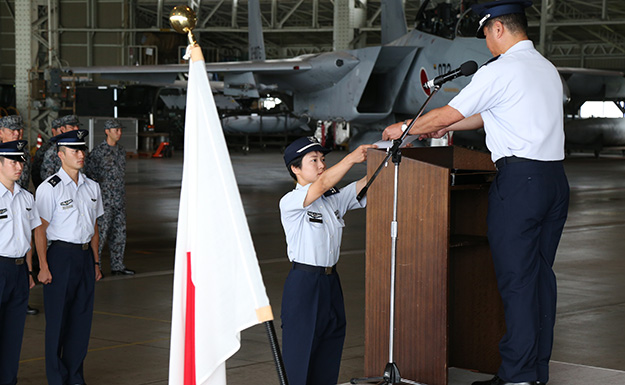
point(13, 122)
point(72, 120)
point(113, 123)
point(57, 123)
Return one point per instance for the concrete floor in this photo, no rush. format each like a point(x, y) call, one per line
point(130, 334)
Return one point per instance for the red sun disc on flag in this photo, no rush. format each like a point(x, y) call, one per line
point(423, 76)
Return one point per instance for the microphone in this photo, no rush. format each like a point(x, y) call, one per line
point(466, 69)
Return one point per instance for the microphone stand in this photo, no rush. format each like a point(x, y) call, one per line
point(391, 374)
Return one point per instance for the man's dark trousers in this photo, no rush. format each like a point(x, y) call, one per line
point(528, 206)
point(68, 302)
point(14, 301)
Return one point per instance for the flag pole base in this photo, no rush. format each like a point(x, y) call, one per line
point(275, 350)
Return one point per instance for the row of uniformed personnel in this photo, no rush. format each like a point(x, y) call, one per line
point(66, 235)
point(106, 164)
point(65, 215)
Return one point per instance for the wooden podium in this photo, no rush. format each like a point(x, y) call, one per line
point(448, 311)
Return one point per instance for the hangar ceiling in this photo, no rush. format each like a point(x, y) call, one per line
point(571, 33)
point(576, 33)
point(588, 33)
point(63, 33)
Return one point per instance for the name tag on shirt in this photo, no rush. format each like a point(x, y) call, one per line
point(314, 217)
point(67, 204)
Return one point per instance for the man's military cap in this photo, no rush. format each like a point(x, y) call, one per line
point(57, 123)
point(112, 123)
point(73, 139)
point(72, 120)
point(497, 8)
point(15, 150)
point(301, 147)
point(13, 122)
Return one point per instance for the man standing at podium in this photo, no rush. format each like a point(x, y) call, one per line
point(517, 98)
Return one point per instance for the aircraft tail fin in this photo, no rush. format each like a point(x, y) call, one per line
point(255, 32)
point(393, 20)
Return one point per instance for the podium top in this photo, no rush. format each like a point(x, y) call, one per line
point(451, 157)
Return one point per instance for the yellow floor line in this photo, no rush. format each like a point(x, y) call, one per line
point(131, 316)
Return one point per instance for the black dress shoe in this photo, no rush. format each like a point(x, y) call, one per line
point(123, 272)
point(31, 310)
point(498, 381)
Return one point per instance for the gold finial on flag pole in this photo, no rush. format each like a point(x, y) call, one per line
point(183, 19)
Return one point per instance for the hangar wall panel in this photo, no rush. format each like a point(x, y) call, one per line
point(107, 56)
point(73, 15)
point(7, 47)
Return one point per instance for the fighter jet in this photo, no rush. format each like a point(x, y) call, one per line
point(368, 87)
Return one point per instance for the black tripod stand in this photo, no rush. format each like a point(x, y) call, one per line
point(391, 371)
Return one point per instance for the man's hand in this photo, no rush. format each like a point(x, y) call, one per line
point(392, 132)
point(44, 276)
point(31, 281)
point(98, 273)
point(434, 135)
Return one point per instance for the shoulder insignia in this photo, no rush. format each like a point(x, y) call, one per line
point(54, 180)
point(491, 60)
point(331, 191)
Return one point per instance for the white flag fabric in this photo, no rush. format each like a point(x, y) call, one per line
point(218, 288)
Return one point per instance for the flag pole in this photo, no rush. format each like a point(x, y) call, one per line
point(275, 350)
point(183, 20)
point(265, 315)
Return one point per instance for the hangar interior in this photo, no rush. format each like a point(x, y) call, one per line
point(53, 35)
point(130, 335)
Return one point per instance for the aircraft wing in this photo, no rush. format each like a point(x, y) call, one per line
point(168, 73)
point(270, 66)
point(240, 78)
point(589, 84)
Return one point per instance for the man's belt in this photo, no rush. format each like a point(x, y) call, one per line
point(501, 162)
point(69, 245)
point(16, 261)
point(314, 269)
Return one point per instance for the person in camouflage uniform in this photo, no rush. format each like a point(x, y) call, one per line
point(51, 162)
point(11, 127)
point(38, 159)
point(106, 164)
